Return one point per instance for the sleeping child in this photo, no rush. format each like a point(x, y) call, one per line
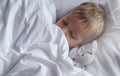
point(83, 24)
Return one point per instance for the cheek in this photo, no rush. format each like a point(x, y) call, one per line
point(71, 42)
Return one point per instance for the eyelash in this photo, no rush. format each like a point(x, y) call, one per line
point(71, 35)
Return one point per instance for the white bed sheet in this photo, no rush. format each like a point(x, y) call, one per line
point(30, 44)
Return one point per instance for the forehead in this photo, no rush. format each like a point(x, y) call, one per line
point(72, 21)
point(78, 27)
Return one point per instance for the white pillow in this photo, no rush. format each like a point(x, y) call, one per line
point(64, 6)
point(110, 39)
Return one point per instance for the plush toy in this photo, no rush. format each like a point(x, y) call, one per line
point(83, 55)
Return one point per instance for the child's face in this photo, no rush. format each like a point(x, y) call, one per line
point(72, 28)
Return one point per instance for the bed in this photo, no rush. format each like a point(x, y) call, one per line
point(32, 45)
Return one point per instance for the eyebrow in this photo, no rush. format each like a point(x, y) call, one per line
point(64, 21)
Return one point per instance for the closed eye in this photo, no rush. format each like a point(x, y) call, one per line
point(71, 35)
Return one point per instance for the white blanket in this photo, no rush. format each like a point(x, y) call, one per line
point(30, 44)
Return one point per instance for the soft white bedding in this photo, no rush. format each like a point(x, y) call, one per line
point(30, 44)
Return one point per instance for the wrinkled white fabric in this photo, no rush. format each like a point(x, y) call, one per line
point(30, 44)
point(83, 55)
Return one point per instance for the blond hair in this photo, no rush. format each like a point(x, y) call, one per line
point(94, 15)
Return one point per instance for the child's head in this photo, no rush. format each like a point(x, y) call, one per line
point(83, 24)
